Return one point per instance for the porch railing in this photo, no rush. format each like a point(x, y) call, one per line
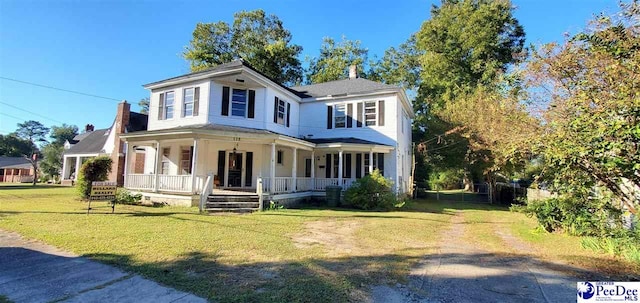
point(285, 184)
point(175, 183)
point(140, 181)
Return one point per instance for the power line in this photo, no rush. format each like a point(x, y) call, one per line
point(10, 116)
point(60, 89)
point(24, 110)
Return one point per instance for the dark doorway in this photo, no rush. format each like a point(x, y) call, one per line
point(235, 170)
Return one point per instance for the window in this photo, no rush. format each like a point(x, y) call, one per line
point(239, 102)
point(187, 109)
point(168, 105)
point(370, 113)
point(166, 152)
point(336, 162)
point(282, 112)
point(280, 157)
point(185, 160)
point(341, 116)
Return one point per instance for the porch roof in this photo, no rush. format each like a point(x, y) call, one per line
point(350, 143)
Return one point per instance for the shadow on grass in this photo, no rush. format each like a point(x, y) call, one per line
point(19, 186)
point(327, 279)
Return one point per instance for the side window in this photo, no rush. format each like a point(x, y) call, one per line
point(341, 116)
point(168, 105)
point(280, 157)
point(282, 111)
point(187, 107)
point(370, 113)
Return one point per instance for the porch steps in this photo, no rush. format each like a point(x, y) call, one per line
point(232, 203)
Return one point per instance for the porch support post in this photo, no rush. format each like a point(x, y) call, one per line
point(272, 168)
point(156, 179)
point(313, 164)
point(127, 159)
point(65, 166)
point(194, 160)
point(75, 177)
point(370, 161)
point(340, 168)
point(294, 170)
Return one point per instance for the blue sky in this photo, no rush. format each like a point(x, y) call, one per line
point(111, 48)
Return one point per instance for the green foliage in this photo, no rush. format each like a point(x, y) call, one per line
point(144, 105)
point(399, 66)
point(124, 196)
point(51, 162)
point(95, 169)
point(13, 146)
point(60, 134)
point(335, 59)
point(33, 131)
point(371, 192)
point(579, 217)
point(275, 205)
point(256, 37)
point(445, 179)
point(625, 244)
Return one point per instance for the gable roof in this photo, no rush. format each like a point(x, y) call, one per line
point(342, 87)
point(14, 162)
point(91, 143)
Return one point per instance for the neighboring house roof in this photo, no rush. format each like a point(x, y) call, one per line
point(14, 162)
point(350, 140)
point(342, 87)
point(79, 138)
point(90, 143)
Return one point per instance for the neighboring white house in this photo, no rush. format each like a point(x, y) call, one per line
point(237, 126)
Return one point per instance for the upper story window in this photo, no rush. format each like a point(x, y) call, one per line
point(239, 102)
point(188, 102)
point(370, 116)
point(341, 115)
point(282, 112)
point(165, 108)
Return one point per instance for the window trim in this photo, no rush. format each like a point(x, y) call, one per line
point(185, 103)
point(375, 113)
point(166, 105)
point(343, 115)
point(246, 102)
point(282, 105)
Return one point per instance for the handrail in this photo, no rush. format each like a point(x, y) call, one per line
point(207, 189)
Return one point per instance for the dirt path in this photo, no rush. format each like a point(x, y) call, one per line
point(462, 272)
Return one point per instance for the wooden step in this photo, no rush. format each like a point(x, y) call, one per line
point(234, 198)
point(243, 204)
point(233, 210)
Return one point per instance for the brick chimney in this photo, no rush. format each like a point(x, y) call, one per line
point(118, 154)
point(353, 71)
point(89, 128)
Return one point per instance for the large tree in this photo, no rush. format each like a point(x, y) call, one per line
point(51, 162)
point(335, 59)
point(13, 146)
point(399, 66)
point(589, 94)
point(34, 132)
point(62, 133)
point(254, 36)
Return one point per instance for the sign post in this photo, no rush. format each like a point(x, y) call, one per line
point(103, 191)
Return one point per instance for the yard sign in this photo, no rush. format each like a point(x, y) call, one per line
point(101, 191)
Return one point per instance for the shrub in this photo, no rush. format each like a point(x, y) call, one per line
point(371, 192)
point(96, 169)
point(124, 196)
point(445, 179)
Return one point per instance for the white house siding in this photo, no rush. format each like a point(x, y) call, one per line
point(294, 119)
point(178, 120)
point(315, 120)
point(215, 110)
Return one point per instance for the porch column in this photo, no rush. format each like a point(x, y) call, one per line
point(127, 158)
point(194, 160)
point(75, 177)
point(294, 170)
point(65, 166)
point(272, 168)
point(156, 179)
point(370, 161)
point(313, 164)
point(340, 168)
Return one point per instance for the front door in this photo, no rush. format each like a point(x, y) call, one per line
point(307, 168)
point(235, 170)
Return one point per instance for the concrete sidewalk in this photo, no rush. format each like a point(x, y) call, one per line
point(34, 272)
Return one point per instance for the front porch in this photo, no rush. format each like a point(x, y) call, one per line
point(270, 165)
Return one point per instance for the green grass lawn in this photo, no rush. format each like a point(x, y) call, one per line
point(309, 255)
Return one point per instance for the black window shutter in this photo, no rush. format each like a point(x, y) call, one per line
point(225, 100)
point(358, 165)
point(161, 108)
point(329, 117)
point(252, 104)
point(347, 162)
point(288, 112)
point(381, 114)
point(381, 163)
point(275, 109)
point(359, 115)
point(196, 101)
point(221, 162)
point(328, 166)
point(190, 159)
point(349, 115)
point(248, 176)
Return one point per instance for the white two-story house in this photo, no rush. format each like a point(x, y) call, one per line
point(243, 132)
